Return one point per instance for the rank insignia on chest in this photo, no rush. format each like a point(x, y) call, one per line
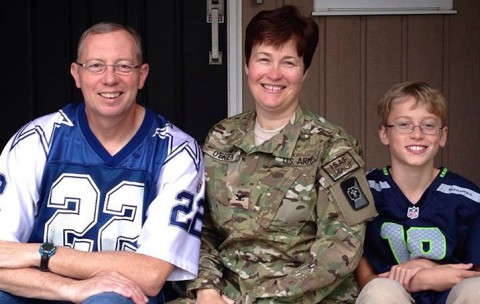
point(412, 212)
point(240, 199)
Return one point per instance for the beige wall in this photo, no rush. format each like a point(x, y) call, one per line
point(359, 57)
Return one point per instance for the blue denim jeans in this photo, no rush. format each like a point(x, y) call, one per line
point(115, 298)
point(101, 298)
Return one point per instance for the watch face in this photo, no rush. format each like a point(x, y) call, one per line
point(47, 247)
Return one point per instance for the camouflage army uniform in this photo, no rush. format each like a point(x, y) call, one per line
point(278, 227)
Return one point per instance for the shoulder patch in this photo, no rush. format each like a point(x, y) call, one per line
point(354, 194)
point(354, 198)
point(341, 166)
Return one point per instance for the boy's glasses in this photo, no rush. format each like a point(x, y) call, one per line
point(407, 128)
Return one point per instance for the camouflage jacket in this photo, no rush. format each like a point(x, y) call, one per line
point(284, 221)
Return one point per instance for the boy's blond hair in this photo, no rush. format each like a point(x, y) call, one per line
point(423, 94)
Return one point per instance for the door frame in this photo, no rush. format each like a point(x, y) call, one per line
point(234, 56)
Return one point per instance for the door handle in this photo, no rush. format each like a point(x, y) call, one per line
point(215, 13)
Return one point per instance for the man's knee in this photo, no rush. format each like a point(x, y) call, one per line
point(108, 297)
point(7, 298)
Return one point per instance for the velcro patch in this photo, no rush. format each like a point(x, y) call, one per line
point(354, 194)
point(341, 166)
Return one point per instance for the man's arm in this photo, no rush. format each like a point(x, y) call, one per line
point(210, 269)
point(33, 283)
point(147, 272)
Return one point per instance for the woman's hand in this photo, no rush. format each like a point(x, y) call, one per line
point(211, 296)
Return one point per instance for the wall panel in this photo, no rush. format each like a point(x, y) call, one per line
point(360, 57)
point(383, 67)
point(464, 101)
point(343, 72)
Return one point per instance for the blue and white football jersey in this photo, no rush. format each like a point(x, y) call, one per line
point(59, 184)
point(442, 226)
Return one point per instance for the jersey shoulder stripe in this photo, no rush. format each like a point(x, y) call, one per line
point(378, 185)
point(179, 143)
point(41, 130)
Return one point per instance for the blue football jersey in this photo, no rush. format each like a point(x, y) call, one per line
point(442, 226)
point(61, 185)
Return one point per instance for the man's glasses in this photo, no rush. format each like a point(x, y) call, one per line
point(96, 67)
point(407, 128)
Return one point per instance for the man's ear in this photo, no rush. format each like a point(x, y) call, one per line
point(74, 71)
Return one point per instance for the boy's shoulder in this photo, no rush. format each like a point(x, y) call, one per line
point(454, 183)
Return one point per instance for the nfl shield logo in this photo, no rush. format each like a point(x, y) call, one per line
point(413, 212)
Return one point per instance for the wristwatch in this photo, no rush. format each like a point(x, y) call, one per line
point(46, 251)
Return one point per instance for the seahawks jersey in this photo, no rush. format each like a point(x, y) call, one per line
point(59, 184)
point(442, 226)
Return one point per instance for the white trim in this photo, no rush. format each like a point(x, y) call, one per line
point(382, 12)
point(234, 56)
point(382, 7)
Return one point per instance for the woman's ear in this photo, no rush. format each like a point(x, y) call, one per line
point(305, 74)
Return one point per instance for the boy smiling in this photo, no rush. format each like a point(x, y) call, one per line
point(425, 239)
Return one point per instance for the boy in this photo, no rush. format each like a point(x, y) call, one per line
point(425, 239)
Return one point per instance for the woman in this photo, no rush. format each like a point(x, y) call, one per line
point(287, 197)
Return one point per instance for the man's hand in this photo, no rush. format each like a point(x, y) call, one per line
point(80, 290)
point(211, 296)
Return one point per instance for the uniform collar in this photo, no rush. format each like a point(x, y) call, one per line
point(281, 145)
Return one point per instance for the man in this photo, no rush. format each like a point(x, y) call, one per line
point(100, 202)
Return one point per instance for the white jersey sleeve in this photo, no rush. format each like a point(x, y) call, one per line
point(19, 184)
point(180, 204)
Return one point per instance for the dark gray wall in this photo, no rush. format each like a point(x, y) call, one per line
point(39, 39)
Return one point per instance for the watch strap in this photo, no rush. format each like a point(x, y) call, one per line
point(46, 250)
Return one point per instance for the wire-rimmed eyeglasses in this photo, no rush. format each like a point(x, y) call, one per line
point(407, 128)
point(98, 67)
